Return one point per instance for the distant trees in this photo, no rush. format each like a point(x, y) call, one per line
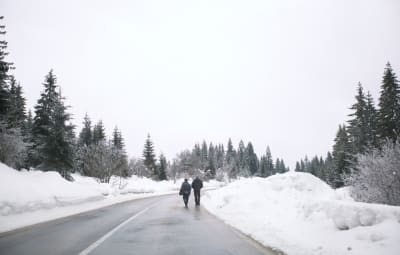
point(162, 168)
point(220, 164)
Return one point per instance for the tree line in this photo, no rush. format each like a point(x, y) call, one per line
point(366, 147)
point(214, 161)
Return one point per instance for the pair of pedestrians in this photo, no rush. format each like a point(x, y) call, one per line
point(197, 184)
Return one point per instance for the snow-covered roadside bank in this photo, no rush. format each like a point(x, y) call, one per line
point(300, 215)
point(31, 197)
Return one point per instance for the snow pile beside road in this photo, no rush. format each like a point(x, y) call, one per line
point(32, 190)
point(301, 215)
point(29, 197)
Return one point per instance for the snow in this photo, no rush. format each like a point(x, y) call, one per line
point(299, 214)
point(30, 197)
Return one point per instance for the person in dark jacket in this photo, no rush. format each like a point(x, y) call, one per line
point(197, 184)
point(185, 192)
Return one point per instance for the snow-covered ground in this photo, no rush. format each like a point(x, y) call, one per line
point(300, 215)
point(30, 197)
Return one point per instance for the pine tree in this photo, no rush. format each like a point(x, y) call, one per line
point(162, 171)
point(241, 155)
point(42, 120)
point(117, 139)
point(52, 134)
point(149, 156)
point(16, 108)
point(302, 166)
point(230, 152)
point(58, 147)
point(220, 156)
point(251, 159)
point(297, 168)
point(28, 126)
point(99, 134)
point(282, 168)
point(204, 155)
point(277, 167)
point(269, 162)
point(263, 167)
point(357, 128)
point(371, 120)
point(119, 154)
point(389, 106)
point(4, 76)
point(212, 160)
point(329, 169)
point(85, 136)
point(342, 156)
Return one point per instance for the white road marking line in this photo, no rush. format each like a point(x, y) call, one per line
point(103, 238)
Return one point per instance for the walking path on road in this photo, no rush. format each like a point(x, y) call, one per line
point(156, 225)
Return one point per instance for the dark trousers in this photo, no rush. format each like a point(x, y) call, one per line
point(185, 199)
point(197, 196)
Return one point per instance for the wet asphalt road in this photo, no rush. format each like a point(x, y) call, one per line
point(158, 225)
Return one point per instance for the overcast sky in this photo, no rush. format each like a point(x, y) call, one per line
point(277, 73)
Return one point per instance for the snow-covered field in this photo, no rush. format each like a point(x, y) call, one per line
point(300, 215)
point(30, 197)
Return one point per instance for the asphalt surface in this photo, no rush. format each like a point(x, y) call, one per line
point(158, 225)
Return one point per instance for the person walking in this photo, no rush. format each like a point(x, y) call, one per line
point(197, 184)
point(185, 192)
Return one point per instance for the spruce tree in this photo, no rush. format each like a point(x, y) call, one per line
point(99, 134)
point(283, 168)
point(58, 147)
point(342, 156)
point(230, 152)
point(297, 168)
point(269, 162)
point(162, 171)
point(357, 128)
point(263, 167)
point(119, 154)
point(42, 120)
point(389, 106)
point(211, 160)
point(241, 155)
point(371, 120)
point(251, 159)
point(149, 157)
point(117, 139)
point(329, 169)
point(16, 108)
point(277, 167)
point(204, 155)
point(5, 66)
point(220, 156)
point(85, 136)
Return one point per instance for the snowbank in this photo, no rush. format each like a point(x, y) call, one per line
point(30, 197)
point(299, 214)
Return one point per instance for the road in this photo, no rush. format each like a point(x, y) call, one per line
point(157, 225)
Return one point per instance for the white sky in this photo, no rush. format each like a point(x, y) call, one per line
point(279, 73)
